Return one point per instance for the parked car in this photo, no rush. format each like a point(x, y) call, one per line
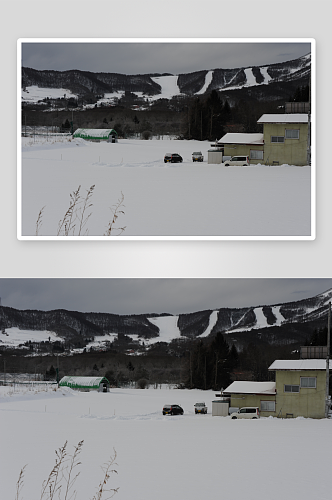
point(197, 156)
point(172, 410)
point(238, 161)
point(246, 412)
point(173, 158)
point(200, 408)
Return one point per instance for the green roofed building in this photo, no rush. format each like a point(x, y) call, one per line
point(97, 134)
point(100, 384)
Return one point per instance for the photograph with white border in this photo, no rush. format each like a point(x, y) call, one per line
point(109, 130)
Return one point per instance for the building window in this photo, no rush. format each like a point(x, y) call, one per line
point(308, 382)
point(268, 406)
point(291, 388)
point(292, 134)
point(256, 154)
point(277, 138)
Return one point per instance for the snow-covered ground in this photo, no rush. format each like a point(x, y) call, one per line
point(33, 94)
point(189, 457)
point(13, 337)
point(161, 200)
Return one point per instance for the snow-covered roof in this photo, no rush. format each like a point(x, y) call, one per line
point(248, 387)
point(299, 364)
point(81, 381)
point(240, 138)
point(94, 132)
point(284, 118)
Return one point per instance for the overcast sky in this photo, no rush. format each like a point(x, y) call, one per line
point(134, 296)
point(141, 58)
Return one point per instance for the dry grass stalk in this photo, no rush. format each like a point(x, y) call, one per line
point(71, 476)
point(86, 205)
point(77, 215)
point(39, 220)
point(19, 484)
point(66, 225)
point(107, 469)
point(52, 484)
point(116, 209)
point(63, 476)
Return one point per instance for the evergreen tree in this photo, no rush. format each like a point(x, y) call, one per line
point(214, 112)
point(301, 94)
point(220, 353)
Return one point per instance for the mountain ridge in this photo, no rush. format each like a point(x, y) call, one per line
point(291, 321)
point(151, 85)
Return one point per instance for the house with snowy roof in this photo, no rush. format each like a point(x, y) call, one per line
point(301, 387)
point(238, 144)
point(284, 140)
point(248, 393)
point(299, 390)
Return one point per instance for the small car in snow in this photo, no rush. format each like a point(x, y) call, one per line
point(246, 412)
point(197, 156)
point(173, 158)
point(172, 410)
point(238, 161)
point(200, 408)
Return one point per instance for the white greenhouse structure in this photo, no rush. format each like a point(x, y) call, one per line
point(100, 384)
point(97, 134)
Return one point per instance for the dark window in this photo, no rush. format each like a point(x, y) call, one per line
point(276, 138)
point(292, 388)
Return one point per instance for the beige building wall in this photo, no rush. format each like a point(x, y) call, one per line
point(243, 149)
point(308, 402)
point(291, 151)
point(240, 400)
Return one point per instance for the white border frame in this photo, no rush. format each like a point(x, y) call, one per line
point(312, 41)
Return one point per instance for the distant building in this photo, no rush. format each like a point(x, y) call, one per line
point(248, 393)
point(97, 134)
point(285, 140)
point(297, 107)
point(100, 384)
point(238, 144)
point(301, 387)
point(299, 390)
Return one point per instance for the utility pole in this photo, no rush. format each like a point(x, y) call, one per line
point(57, 369)
point(309, 127)
point(191, 372)
point(327, 395)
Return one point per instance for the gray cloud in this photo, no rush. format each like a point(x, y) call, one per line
point(134, 296)
point(142, 58)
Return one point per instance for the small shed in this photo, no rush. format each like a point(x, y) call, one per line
point(215, 156)
point(100, 384)
point(97, 134)
point(220, 407)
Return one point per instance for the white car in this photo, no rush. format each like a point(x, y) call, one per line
point(238, 161)
point(246, 412)
point(200, 408)
point(197, 156)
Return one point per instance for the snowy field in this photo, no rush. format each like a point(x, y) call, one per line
point(189, 457)
point(160, 200)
